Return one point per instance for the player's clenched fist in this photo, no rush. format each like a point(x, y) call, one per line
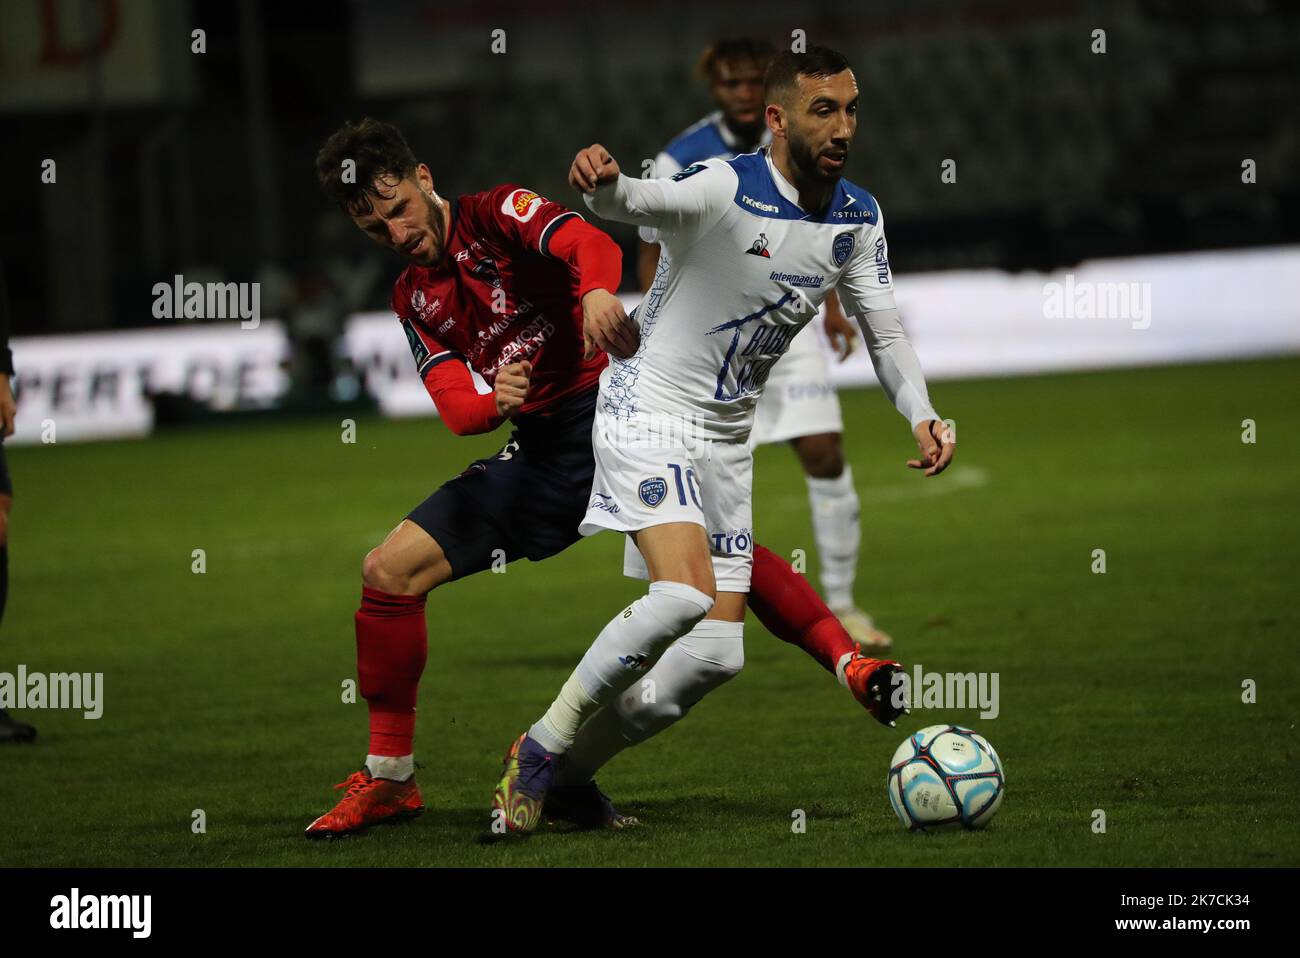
point(605, 325)
point(591, 168)
point(935, 439)
point(512, 387)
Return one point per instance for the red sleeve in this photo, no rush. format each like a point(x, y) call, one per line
point(465, 411)
point(592, 256)
point(525, 218)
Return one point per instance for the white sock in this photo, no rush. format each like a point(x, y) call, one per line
point(559, 726)
point(625, 650)
point(835, 527)
point(397, 767)
point(840, 675)
point(600, 739)
point(694, 665)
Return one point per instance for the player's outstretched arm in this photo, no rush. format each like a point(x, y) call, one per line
point(694, 198)
point(899, 372)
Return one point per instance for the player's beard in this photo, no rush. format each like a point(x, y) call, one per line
point(437, 232)
point(804, 156)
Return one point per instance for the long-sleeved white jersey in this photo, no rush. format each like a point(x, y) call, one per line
point(741, 270)
point(706, 139)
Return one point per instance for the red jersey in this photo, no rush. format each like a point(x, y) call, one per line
point(509, 288)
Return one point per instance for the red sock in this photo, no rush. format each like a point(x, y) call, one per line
point(392, 644)
point(792, 610)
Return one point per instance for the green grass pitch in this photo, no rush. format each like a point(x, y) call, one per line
point(1120, 692)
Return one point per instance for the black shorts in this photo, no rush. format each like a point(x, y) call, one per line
point(6, 484)
point(524, 502)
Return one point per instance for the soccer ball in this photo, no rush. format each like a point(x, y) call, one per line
point(945, 775)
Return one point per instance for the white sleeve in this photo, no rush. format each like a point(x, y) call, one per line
point(897, 367)
point(867, 293)
point(687, 204)
point(665, 165)
point(868, 283)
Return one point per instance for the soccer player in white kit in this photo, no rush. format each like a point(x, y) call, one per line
point(799, 405)
point(673, 463)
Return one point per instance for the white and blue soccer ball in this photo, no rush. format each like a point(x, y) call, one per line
point(945, 776)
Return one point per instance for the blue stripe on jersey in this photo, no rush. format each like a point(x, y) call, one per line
point(700, 141)
point(756, 193)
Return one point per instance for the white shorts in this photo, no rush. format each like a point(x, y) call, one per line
point(798, 399)
point(636, 487)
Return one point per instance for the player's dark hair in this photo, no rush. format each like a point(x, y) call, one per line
point(731, 51)
point(379, 152)
point(786, 67)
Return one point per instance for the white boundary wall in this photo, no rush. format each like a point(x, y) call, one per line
point(96, 385)
point(1105, 313)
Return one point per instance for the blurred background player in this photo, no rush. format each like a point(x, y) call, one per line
point(10, 729)
point(799, 405)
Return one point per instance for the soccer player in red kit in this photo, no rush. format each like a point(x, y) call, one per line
point(508, 305)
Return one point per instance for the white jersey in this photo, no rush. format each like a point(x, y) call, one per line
point(706, 139)
point(742, 269)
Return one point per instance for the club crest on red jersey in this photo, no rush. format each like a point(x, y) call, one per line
point(424, 309)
